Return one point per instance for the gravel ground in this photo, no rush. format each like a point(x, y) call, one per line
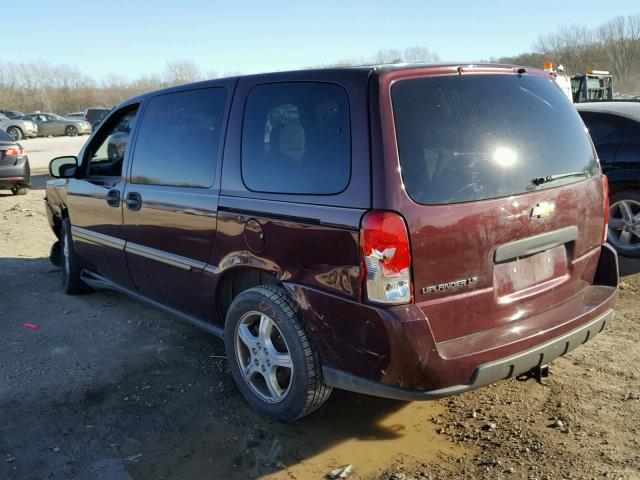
point(107, 388)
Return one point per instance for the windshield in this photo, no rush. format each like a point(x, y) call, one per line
point(56, 116)
point(473, 137)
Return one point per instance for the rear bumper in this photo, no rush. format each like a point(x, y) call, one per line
point(391, 352)
point(18, 174)
point(484, 374)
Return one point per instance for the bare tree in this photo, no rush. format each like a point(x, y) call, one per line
point(621, 39)
point(535, 60)
point(391, 55)
point(182, 71)
point(574, 46)
point(420, 55)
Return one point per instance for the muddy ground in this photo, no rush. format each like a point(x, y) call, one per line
point(107, 388)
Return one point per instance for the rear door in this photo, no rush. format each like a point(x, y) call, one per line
point(170, 204)
point(502, 195)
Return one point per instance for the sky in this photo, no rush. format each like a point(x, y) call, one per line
point(133, 38)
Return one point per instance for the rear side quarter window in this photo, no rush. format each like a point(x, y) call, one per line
point(296, 139)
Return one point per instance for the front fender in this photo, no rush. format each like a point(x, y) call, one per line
point(56, 203)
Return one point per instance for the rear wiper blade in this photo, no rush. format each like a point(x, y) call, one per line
point(551, 178)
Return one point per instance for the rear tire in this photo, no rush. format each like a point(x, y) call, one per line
point(624, 223)
point(20, 190)
point(71, 131)
point(71, 264)
point(282, 376)
point(15, 133)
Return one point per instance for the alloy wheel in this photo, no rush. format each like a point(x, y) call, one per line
point(624, 225)
point(263, 357)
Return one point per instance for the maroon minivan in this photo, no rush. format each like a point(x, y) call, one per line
point(403, 231)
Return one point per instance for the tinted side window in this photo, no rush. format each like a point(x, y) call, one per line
point(606, 133)
point(5, 137)
point(296, 138)
point(179, 139)
point(106, 152)
point(629, 151)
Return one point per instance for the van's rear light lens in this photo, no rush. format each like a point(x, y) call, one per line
point(386, 258)
point(605, 192)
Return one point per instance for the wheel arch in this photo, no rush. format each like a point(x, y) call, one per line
point(236, 280)
point(17, 128)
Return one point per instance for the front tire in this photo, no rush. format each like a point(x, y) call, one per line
point(71, 264)
point(271, 358)
point(624, 223)
point(15, 133)
point(71, 131)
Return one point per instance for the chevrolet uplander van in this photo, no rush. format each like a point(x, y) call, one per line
point(403, 231)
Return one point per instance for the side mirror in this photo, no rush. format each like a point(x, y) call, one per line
point(63, 167)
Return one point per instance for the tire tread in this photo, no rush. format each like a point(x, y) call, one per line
point(317, 391)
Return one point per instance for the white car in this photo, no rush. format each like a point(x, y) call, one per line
point(17, 128)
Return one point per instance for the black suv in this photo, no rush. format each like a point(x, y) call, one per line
point(95, 115)
point(615, 131)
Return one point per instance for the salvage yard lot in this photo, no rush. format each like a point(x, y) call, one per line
point(109, 388)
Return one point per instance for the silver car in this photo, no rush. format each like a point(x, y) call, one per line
point(54, 124)
point(75, 116)
point(17, 128)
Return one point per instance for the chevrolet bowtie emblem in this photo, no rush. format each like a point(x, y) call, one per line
point(543, 210)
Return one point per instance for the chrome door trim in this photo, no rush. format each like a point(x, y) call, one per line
point(167, 258)
point(97, 238)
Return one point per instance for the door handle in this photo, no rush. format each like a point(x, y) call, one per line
point(113, 198)
point(134, 201)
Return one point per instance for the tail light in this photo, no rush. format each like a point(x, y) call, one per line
point(605, 192)
point(386, 258)
point(14, 152)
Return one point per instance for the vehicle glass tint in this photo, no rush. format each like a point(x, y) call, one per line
point(629, 151)
point(606, 132)
point(472, 137)
point(296, 139)
point(107, 153)
point(179, 139)
point(4, 137)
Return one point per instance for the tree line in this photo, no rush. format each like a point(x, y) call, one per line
point(613, 46)
point(37, 85)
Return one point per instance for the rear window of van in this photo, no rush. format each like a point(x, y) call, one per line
point(472, 137)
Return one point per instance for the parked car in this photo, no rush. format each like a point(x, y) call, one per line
point(13, 114)
point(54, 124)
point(405, 231)
point(95, 115)
point(615, 131)
point(17, 128)
point(75, 116)
point(14, 166)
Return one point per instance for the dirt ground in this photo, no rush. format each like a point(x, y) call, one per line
point(107, 388)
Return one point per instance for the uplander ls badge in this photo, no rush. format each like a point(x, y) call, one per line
point(446, 286)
